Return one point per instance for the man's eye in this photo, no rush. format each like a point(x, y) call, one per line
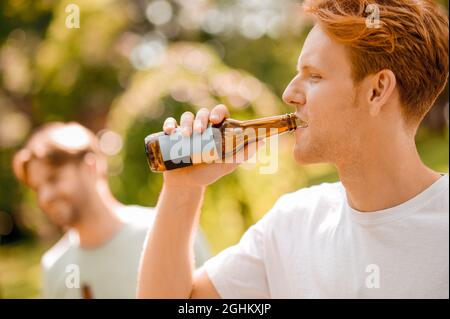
point(53, 179)
point(315, 77)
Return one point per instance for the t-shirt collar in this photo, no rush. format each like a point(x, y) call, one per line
point(400, 210)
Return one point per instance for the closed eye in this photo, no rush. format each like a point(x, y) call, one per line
point(52, 179)
point(315, 77)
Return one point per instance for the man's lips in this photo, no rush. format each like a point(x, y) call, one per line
point(301, 120)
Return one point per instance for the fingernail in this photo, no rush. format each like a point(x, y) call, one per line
point(170, 125)
point(185, 131)
point(214, 118)
point(197, 125)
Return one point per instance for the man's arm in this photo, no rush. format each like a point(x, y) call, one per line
point(203, 287)
point(167, 264)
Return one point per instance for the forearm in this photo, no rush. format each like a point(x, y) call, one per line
point(167, 264)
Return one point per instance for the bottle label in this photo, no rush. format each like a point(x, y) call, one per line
point(178, 150)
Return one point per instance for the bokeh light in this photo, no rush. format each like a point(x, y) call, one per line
point(110, 142)
point(159, 12)
point(14, 127)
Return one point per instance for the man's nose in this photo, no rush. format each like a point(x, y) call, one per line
point(294, 95)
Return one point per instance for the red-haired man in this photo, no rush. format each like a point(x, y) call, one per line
point(366, 76)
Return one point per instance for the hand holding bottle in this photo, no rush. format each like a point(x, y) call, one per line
point(201, 174)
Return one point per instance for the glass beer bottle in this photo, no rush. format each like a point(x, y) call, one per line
point(217, 142)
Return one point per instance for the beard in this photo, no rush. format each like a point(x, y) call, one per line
point(331, 143)
point(63, 214)
point(311, 150)
point(329, 147)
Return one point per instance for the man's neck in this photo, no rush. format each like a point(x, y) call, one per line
point(385, 176)
point(99, 222)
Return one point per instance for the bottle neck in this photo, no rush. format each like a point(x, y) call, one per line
point(282, 123)
point(236, 134)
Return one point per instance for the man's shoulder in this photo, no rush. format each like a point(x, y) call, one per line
point(138, 217)
point(51, 258)
point(314, 202)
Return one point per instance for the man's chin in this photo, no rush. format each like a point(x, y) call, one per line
point(65, 220)
point(305, 156)
point(63, 225)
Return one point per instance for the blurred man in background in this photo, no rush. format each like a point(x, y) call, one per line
point(99, 254)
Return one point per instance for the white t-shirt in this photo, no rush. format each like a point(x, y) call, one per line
point(312, 244)
point(110, 271)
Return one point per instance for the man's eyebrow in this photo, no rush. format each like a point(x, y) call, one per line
point(305, 67)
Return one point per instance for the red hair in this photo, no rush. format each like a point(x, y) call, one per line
point(411, 40)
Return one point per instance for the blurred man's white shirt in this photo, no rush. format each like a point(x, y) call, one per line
point(110, 271)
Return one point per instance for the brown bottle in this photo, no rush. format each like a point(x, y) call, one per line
point(218, 141)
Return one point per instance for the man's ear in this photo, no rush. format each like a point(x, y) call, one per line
point(380, 90)
point(97, 165)
point(20, 159)
point(91, 162)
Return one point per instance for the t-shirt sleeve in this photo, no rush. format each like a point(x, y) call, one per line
point(239, 271)
point(48, 277)
point(45, 288)
point(201, 249)
point(52, 269)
